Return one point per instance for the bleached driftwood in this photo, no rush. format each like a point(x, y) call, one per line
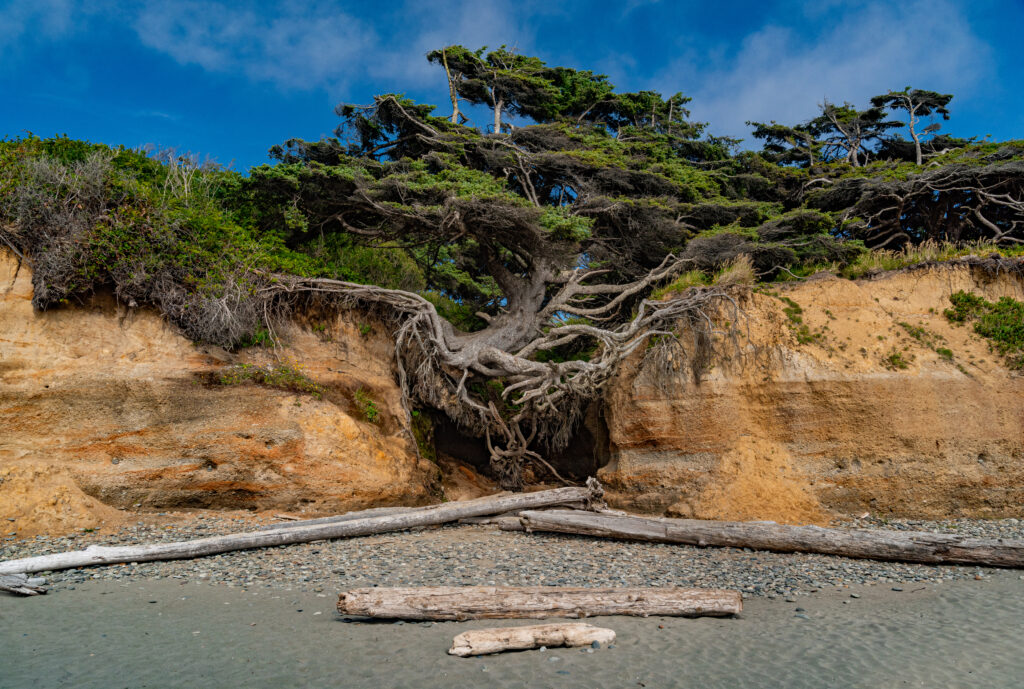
point(295, 522)
point(480, 642)
point(21, 585)
point(474, 602)
point(438, 514)
point(903, 546)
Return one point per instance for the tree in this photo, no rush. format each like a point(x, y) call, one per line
point(454, 75)
point(917, 104)
point(502, 79)
point(544, 242)
point(788, 145)
point(848, 130)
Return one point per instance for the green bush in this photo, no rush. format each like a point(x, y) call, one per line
point(1001, 322)
point(367, 406)
point(283, 377)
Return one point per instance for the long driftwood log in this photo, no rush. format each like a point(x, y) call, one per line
point(439, 514)
point(536, 602)
point(903, 546)
point(480, 642)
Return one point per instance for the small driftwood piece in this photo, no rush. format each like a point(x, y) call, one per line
point(480, 642)
point(438, 514)
point(21, 585)
point(901, 546)
point(535, 602)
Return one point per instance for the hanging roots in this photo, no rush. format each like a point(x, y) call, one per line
point(537, 405)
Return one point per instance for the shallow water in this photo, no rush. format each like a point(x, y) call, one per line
point(165, 634)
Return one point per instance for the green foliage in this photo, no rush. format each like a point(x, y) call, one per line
point(261, 337)
point(366, 406)
point(1002, 323)
point(691, 278)
point(896, 360)
point(423, 433)
point(285, 376)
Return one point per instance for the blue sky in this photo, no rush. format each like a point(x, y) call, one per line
point(230, 79)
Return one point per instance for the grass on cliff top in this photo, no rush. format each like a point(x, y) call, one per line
point(873, 261)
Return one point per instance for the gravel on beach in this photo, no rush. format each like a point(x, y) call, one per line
point(456, 555)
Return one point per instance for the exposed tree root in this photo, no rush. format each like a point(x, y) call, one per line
point(538, 404)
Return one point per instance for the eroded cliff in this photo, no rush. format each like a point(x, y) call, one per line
point(844, 397)
point(102, 406)
point(847, 397)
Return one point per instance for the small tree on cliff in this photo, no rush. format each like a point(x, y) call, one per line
point(847, 130)
point(789, 145)
point(917, 104)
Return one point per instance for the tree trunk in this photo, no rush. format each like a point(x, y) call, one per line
point(902, 546)
point(451, 88)
point(536, 602)
point(917, 144)
point(484, 641)
point(498, 105)
point(439, 514)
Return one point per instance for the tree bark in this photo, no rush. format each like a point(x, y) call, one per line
point(538, 602)
point(484, 641)
point(21, 585)
point(452, 93)
point(439, 514)
point(901, 546)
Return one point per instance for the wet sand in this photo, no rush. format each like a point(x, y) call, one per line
point(109, 634)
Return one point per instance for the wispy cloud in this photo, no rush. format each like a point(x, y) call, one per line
point(782, 71)
point(28, 23)
point(303, 46)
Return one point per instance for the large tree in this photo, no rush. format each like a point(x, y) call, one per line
point(546, 240)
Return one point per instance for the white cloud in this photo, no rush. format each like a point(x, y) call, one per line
point(25, 23)
point(782, 73)
point(303, 46)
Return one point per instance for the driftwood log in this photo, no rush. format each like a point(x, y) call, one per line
point(21, 585)
point(537, 602)
point(902, 546)
point(480, 642)
point(439, 514)
point(347, 517)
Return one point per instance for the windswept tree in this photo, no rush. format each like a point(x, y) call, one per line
point(848, 131)
point(538, 246)
point(916, 103)
point(504, 80)
point(797, 145)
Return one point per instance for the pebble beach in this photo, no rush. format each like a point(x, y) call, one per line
point(456, 555)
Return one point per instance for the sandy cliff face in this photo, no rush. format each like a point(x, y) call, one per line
point(800, 432)
point(99, 404)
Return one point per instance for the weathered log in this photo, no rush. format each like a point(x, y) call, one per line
point(475, 602)
point(480, 642)
point(873, 544)
point(346, 517)
point(383, 511)
point(21, 585)
point(439, 514)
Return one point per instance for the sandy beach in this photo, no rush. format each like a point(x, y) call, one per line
point(166, 633)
